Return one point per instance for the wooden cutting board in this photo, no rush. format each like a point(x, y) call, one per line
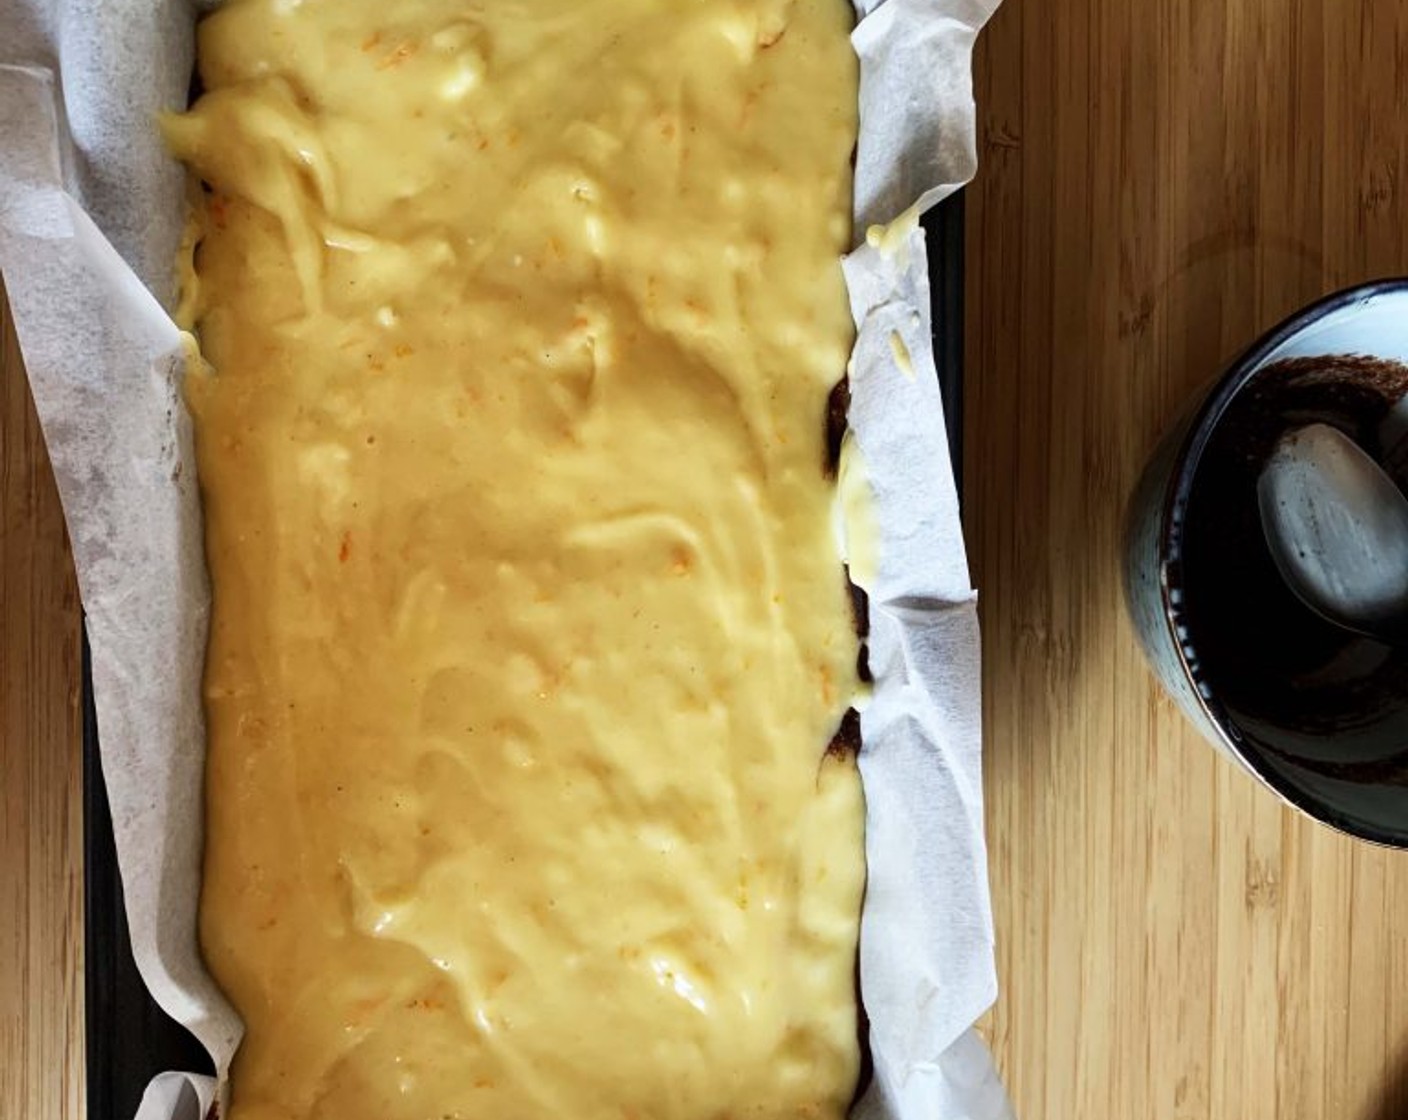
point(41, 774)
point(1161, 180)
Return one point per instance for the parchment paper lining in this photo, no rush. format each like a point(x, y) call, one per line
point(90, 215)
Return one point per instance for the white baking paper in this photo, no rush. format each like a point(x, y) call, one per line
point(90, 216)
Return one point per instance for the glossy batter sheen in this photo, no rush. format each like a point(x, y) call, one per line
point(530, 632)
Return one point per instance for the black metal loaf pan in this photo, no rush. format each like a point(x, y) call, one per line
point(129, 1038)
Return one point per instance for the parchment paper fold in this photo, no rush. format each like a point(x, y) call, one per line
point(90, 215)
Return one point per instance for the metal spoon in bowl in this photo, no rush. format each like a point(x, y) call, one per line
point(1337, 528)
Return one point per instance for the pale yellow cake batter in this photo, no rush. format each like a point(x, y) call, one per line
point(530, 631)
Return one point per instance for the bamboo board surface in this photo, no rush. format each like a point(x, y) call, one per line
point(1161, 181)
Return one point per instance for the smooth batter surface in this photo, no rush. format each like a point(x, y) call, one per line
point(530, 632)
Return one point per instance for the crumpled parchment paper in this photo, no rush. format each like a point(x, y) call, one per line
point(91, 210)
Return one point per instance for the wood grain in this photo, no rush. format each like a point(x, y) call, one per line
point(41, 774)
point(1161, 181)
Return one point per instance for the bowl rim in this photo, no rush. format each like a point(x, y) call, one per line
point(1172, 516)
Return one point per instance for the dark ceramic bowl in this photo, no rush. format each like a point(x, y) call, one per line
point(1318, 715)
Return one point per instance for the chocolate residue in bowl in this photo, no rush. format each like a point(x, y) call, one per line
point(837, 420)
point(1297, 687)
